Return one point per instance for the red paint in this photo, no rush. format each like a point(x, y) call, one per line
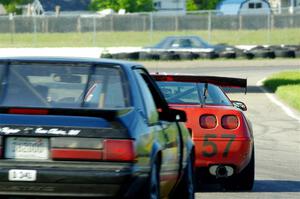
point(76, 154)
point(28, 111)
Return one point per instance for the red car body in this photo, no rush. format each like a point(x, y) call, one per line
point(224, 144)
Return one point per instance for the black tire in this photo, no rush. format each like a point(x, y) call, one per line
point(120, 56)
point(166, 56)
point(258, 48)
point(297, 54)
point(208, 55)
point(247, 55)
point(186, 55)
point(126, 56)
point(106, 55)
point(227, 55)
point(284, 53)
point(133, 55)
point(186, 187)
point(264, 54)
point(243, 181)
point(146, 56)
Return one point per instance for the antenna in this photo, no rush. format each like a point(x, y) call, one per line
point(205, 93)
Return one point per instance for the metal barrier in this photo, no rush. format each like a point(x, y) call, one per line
point(208, 24)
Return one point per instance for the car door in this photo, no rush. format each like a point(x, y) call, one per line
point(168, 135)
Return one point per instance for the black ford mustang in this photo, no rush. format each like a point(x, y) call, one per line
point(89, 128)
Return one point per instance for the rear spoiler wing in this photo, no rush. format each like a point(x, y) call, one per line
point(108, 114)
point(219, 81)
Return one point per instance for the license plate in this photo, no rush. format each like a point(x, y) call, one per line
point(21, 175)
point(27, 148)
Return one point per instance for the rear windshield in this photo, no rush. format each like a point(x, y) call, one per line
point(62, 86)
point(193, 93)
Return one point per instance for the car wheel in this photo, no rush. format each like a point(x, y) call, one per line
point(186, 187)
point(244, 181)
point(297, 53)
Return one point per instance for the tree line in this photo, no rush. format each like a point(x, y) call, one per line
point(128, 5)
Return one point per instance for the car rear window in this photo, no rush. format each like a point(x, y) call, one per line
point(62, 85)
point(193, 93)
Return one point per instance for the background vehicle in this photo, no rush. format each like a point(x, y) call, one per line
point(88, 127)
point(222, 134)
point(188, 42)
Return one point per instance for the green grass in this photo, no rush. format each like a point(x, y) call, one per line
point(115, 39)
point(287, 86)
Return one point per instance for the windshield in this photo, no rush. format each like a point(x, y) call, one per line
point(193, 93)
point(182, 42)
point(62, 85)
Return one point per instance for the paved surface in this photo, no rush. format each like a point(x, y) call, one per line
point(277, 136)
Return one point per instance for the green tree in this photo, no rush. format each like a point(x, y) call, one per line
point(207, 4)
point(144, 5)
point(11, 5)
point(128, 5)
point(104, 4)
point(191, 5)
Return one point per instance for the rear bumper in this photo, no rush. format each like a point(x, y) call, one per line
point(87, 179)
point(236, 154)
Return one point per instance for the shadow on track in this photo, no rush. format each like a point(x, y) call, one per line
point(260, 186)
point(276, 186)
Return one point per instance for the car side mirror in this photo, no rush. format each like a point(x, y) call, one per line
point(239, 105)
point(177, 115)
point(173, 115)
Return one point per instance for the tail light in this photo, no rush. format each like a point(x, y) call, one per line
point(230, 122)
point(28, 111)
point(119, 150)
point(208, 121)
point(92, 149)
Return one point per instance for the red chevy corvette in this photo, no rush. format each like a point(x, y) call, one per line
point(220, 130)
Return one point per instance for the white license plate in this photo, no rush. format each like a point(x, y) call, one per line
point(21, 175)
point(27, 148)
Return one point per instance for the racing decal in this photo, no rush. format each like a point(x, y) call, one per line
point(211, 148)
point(62, 131)
point(207, 143)
point(51, 131)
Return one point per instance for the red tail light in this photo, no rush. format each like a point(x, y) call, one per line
point(28, 111)
point(76, 154)
point(208, 121)
point(230, 122)
point(92, 149)
point(67, 148)
point(119, 150)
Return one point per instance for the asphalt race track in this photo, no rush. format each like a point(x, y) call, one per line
point(277, 136)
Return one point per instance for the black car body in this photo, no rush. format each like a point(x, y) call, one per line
point(89, 128)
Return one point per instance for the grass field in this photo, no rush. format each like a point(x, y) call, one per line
point(287, 86)
point(115, 39)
